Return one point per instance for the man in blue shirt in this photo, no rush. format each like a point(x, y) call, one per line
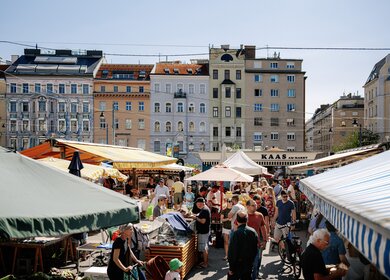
point(284, 213)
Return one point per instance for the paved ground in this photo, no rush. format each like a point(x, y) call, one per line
point(272, 267)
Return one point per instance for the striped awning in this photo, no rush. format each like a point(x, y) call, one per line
point(356, 199)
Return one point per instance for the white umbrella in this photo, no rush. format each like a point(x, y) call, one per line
point(221, 173)
point(241, 162)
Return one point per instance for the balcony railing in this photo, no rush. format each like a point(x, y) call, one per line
point(180, 94)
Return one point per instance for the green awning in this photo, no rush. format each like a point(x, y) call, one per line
point(37, 200)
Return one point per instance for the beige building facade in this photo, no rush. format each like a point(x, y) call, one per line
point(377, 99)
point(3, 111)
point(275, 104)
point(122, 105)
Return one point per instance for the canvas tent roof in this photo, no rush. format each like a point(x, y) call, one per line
point(122, 158)
point(356, 199)
point(241, 162)
point(37, 200)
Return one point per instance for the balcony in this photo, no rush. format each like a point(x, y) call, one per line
point(180, 94)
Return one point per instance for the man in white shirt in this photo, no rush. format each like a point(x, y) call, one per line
point(160, 189)
point(237, 207)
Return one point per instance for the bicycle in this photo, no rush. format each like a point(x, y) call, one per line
point(290, 250)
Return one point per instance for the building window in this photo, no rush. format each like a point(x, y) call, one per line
point(85, 89)
point(61, 107)
point(168, 108)
point(291, 93)
point(258, 78)
point(291, 149)
point(157, 127)
point(191, 108)
point(291, 78)
point(73, 107)
point(238, 93)
point(202, 127)
point(215, 74)
point(215, 131)
point(141, 89)
point(156, 146)
point(42, 125)
point(180, 126)
point(202, 89)
point(180, 107)
point(13, 126)
point(191, 127)
point(274, 107)
point(86, 125)
point(228, 92)
point(274, 136)
point(227, 74)
point(228, 111)
point(257, 137)
point(290, 107)
point(290, 122)
point(274, 121)
point(25, 107)
point(168, 88)
point(228, 131)
point(258, 121)
point(25, 125)
point(13, 88)
point(238, 112)
point(258, 107)
point(73, 88)
point(215, 112)
point(12, 106)
point(141, 143)
point(49, 88)
point(215, 92)
point(61, 88)
point(141, 124)
point(141, 106)
point(115, 106)
point(128, 123)
point(191, 88)
point(25, 88)
point(168, 127)
point(157, 107)
point(116, 89)
point(274, 79)
point(238, 131)
point(274, 93)
point(102, 105)
point(290, 65)
point(85, 107)
point(258, 92)
point(274, 65)
point(128, 106)
point(238, 74)
point(62, 125)
point(180, 88)
point(156, 88)
point(290, 136)
point(202, 108)
point(42, 106)
point(128, 89)
point(37, 88)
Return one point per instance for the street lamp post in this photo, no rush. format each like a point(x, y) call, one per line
point(355, 123)
point(105, 124)
point(113, 123)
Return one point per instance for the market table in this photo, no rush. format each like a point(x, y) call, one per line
point(37, 244)
point(92, 248)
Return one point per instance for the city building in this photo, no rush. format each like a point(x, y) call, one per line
point(179, 107)
point(332, 124)
point(227, 96)
point(377, 100)
point(121, 102)
point(49, 94)
point(3, 111)
point(275, 103)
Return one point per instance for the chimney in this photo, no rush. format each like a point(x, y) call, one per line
point(250, 52)
point(225, 47)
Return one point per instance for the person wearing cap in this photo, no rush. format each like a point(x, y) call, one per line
point(175, 266)
point(160, 207)
point(160, 189)
point(203, 219)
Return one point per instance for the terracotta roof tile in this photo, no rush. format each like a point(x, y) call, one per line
point(180, 69)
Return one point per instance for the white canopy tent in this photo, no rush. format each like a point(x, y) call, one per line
point(356, 199)
point(241, 162)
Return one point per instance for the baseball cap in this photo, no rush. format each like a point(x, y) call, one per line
point(162, 196)
point(199, 199)
point(175, 264)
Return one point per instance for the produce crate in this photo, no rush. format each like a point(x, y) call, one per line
point(186, 253)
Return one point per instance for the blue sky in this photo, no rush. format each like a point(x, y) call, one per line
point(189, 27)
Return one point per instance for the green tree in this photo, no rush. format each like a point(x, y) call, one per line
point(352, 141)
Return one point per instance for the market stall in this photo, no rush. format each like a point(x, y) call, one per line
point(356, 199)
point(241, 162)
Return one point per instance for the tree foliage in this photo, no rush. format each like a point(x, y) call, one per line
point(368, 138)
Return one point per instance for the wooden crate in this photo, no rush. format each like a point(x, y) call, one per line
point(186, 253)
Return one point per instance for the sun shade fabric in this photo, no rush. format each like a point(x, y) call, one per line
point(90, 171)
point(37, 200)
point(241, 162)
point(356, 199)
point(221, 173)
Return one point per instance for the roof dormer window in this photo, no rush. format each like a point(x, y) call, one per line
point(189, 70)
point(176, 71)
point(166, 70)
